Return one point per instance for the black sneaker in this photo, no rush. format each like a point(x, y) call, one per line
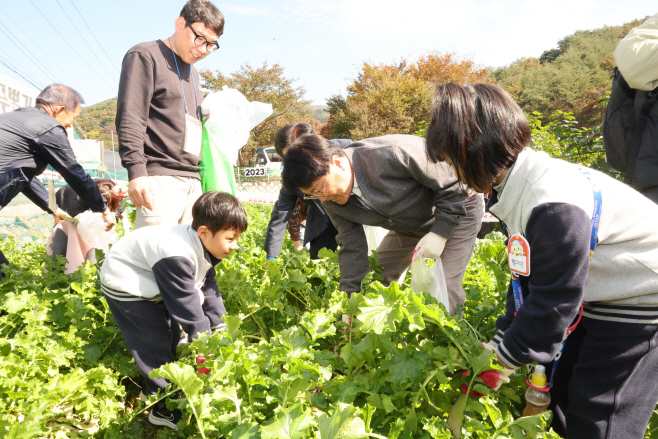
point(164, 417)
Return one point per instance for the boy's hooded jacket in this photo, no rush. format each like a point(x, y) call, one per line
point(164, 263)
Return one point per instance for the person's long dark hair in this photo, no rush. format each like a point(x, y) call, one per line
point(105, 186)
point(478, 128)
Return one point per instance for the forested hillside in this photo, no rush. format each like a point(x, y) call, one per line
point(97, 120)
point(570, 77)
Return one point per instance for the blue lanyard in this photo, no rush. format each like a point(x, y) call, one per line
point(516, 282)
point(181, 82)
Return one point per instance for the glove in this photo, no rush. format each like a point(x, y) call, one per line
point(492, 378)
point(488, 346)
point(430, 246)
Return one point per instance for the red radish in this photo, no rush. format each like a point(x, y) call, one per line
point(490, 378)
point(204, 370)
point(200, 359)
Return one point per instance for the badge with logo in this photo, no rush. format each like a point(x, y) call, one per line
point(518, 255)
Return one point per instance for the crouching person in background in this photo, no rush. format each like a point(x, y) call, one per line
point(158, 277)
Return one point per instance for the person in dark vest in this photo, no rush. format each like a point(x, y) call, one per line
point(32, 138)
point(319, 231)
point(388, 182)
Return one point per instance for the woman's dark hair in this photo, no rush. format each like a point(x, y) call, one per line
point(479, 128)
point(105, 186)
point(202, 11)
point(287, 135)
point(219, 211)
point(308, 159)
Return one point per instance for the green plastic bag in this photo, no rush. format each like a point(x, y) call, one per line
point(216, 169)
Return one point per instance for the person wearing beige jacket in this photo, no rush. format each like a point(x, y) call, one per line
point(637, 60)
point(637, 55)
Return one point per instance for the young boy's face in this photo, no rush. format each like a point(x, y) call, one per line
point(221, 243)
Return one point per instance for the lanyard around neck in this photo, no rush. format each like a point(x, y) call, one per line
point(518, 291)
point(181, 82)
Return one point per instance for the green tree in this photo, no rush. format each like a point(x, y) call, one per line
point(562, 137)
point(569, 78)
point(263, 84)
point(394, 98)
point(97, 122)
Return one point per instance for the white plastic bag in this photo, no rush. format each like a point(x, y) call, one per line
point(125, 222)
point(231, 119)
point(374, 236)
point(432, 280)
point(92, 229)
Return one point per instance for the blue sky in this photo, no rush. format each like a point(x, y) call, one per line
point(321, 43)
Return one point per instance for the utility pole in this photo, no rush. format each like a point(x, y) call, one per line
point(114, 158)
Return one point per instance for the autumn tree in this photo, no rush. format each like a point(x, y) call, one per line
point(568, 78)
point(395, 98)
point(263, 84)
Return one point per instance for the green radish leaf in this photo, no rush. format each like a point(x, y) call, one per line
point(456, 416)
point(319, 324)
point(343, 424)
point(291, 423)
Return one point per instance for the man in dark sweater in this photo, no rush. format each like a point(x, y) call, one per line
point(159, 116)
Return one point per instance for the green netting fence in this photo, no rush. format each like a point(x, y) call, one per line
point(26, 222)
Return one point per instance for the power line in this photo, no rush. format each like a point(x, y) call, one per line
point(24, 50)
point(85, 41)
point(67, 43)
point(3, 62)
point(92, 34)
point(38, 46)
point(17, 69)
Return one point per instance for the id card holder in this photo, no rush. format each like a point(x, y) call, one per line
point(193, 134)
point(518, 255)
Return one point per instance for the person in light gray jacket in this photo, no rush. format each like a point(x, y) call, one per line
point(584, 249)
point(390, 183)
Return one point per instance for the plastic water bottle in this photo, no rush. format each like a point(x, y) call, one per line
point(536, 401)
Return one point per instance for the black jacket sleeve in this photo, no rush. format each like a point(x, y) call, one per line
point(276, 229)
point(213, 304)
point(38, 194)
point(175, 279)
point(55, 149)
point(559, 238)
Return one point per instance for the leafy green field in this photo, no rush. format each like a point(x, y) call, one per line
point(286, 367)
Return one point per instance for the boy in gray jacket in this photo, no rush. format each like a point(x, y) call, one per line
point(158, 277)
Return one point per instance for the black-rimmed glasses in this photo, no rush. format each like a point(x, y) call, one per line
point(200, 40)
point(315, 195)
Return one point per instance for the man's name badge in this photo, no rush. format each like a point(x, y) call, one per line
point(193, 136)
point(518, 255)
